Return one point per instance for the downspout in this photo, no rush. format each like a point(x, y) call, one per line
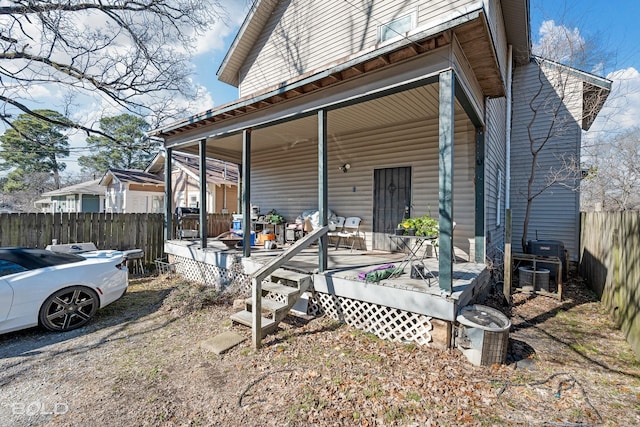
point(507, 196)
point(506, 287)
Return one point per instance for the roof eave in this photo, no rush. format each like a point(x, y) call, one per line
point(518, 28)
point(244, 39)
point(313, 77)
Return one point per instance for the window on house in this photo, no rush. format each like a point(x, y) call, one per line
point(71, 204)
point(398, 27)
point(193, 201)
point(157, 204)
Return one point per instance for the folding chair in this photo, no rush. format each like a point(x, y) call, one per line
point(351, 230)
point(339, 225)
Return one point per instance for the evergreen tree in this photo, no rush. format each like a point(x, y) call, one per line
point(125, 148)
point(34, 145)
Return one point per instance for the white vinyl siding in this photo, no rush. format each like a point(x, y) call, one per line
point(287, 180)
point(555, 213)
point(495, 160)
point(305, 36)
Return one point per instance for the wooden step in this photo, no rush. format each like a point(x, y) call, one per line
point(267, 304)
point(277, 288)
point(301, 280)
point(246, 318)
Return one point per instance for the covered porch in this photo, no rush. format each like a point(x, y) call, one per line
point(410, 124)
point(400, 308)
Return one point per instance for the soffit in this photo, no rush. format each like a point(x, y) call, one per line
point(518, 28)
point(410, 106)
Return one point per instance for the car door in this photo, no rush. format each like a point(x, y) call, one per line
point(6, 298)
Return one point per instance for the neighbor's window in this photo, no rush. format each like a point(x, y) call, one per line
point(397, 27)
point(157, 204)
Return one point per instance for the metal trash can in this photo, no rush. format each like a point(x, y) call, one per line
point(483, 334)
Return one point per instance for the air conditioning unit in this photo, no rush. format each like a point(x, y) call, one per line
point(549, 248)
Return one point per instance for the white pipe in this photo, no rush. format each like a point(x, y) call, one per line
point(507, 198)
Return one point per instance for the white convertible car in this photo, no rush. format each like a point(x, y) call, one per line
point(58, 291)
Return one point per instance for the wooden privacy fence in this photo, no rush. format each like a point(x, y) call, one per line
point(106, 230)
point(610, 262)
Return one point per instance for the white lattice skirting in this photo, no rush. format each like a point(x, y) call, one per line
point(210, 275)
point(387, 323)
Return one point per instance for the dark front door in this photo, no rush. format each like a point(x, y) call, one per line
point(391, 203)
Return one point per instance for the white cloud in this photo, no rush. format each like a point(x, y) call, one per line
point(622, 108)
point(213, 39)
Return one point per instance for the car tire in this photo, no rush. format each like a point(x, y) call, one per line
point(68, 308)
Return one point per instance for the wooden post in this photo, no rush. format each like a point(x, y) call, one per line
point(506, 286)
point(445, 182)
point(323, 198)
point(168, 195)
point(203, 193)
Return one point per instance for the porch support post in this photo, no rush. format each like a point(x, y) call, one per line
point(203, 194)
point(479, 229)
point(246, 193)
point(445, 182)
point(323, 197)
point(168, 196)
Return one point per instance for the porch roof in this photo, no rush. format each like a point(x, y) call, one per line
point(470, 31)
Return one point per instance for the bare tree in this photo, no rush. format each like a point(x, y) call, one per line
point(613, 181)
point(557, 95)
point(131, 53)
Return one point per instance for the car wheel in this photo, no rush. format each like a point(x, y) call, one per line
point(69, 308)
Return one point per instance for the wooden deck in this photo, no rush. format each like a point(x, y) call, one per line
point(341, 277)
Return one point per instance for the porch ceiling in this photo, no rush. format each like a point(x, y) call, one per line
point(411, 105)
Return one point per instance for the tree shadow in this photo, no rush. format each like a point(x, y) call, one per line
point(111, 323)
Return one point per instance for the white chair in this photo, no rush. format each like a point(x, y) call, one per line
point(351, 230)
point(339, 224)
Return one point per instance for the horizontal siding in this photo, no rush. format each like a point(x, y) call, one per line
point(311, 35)
point(555, 213)
point(495, 160)
point(287, 180)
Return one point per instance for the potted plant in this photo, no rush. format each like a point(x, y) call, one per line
point(419, 226)
point(409, 226)
point(426, 226)
point(274, 217)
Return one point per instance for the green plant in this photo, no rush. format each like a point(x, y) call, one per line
point(424, 225)
point(274, 217)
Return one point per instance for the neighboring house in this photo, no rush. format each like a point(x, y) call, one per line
point(83, 197)
point(416, 97)
point(222, 181)
point(133, 191)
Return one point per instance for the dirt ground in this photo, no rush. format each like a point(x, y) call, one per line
point(140, 363)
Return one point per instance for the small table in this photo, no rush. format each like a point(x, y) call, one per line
point(413, 244)
point(278, 229)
